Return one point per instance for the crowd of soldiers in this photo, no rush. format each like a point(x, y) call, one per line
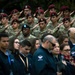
point(37, 44)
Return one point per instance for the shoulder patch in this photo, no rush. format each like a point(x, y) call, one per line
point(40, 58)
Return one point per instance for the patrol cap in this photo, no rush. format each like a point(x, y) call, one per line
point(51, 6)
point(14, 11)
point(43, 19)
point(25, 26)
point(53, 14)
point(26, 7)
point(3, 15)
point(15, 20)
point(66, 18)
point(63, 8)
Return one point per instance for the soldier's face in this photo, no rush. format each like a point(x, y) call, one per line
point(66, 13)
point(15, 25)
point(40, 16)
point(66, 23)
point(4, 20)
point(42, 24)
point(53, 18)
point(52, 10)
point(26, 31)
point(4, 43)
point(27, 11)
point(14, 16)
point(30, 19)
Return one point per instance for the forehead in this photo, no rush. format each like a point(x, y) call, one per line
point(27, 47)
point(66, 47)
point(16, 40)
point(4, 38)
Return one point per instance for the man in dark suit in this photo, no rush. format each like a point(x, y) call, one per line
point(43, 59)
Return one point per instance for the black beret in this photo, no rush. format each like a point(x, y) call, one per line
point(25, 26)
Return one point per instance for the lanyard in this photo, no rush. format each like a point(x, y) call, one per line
point(9, 60)
point(26, 64)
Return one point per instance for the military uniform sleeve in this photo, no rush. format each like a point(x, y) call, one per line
point(3, 29)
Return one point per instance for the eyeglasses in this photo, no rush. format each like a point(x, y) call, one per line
point(52, 43)
point(67, 50)
point(16, 42)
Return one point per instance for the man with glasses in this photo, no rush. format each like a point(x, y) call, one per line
point(43, 59)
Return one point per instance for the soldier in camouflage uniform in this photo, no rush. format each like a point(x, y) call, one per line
point(15, 28)
point(5, 26)
point(31, 20)
point(53, 24)
point(25, 33)
point(40, 29)
point(26, 10)
point(66, 24)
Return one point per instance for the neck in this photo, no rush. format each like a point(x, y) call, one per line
point(26, 35)
point(16, 29)
point(54, 23)
point(67, 27)
point(44, 46)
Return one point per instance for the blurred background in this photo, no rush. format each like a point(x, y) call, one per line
point(8, 5)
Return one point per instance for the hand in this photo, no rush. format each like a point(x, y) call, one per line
point(6, 26)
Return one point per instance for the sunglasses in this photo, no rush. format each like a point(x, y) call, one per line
point(52, 44)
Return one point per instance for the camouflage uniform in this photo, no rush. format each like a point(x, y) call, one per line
point(21, 37)
point(38, 33)
point(4, 29)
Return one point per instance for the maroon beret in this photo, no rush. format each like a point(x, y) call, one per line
point(15, 20)
point(39, 11)
point(66, 18)
point(27, 6)
point(53, 14)
point(51, 6)
point(63, 8)
point(43, 19)
point(14, 11)
point(3, 15)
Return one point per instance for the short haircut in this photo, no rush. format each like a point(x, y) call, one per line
point(25, 43)
point(46, 37)
point(3, 35)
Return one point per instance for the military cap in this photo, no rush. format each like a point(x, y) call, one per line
point(51, 6)
point(63, 8)
point(38, 8)
point(25, 26)
point(29, 15)
point(15, 20)
point(39, 11)
point(43, 19)
point(3, 15)
point(27, 6)
point(53, 14)
point(14, 11)
point(66, 18)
